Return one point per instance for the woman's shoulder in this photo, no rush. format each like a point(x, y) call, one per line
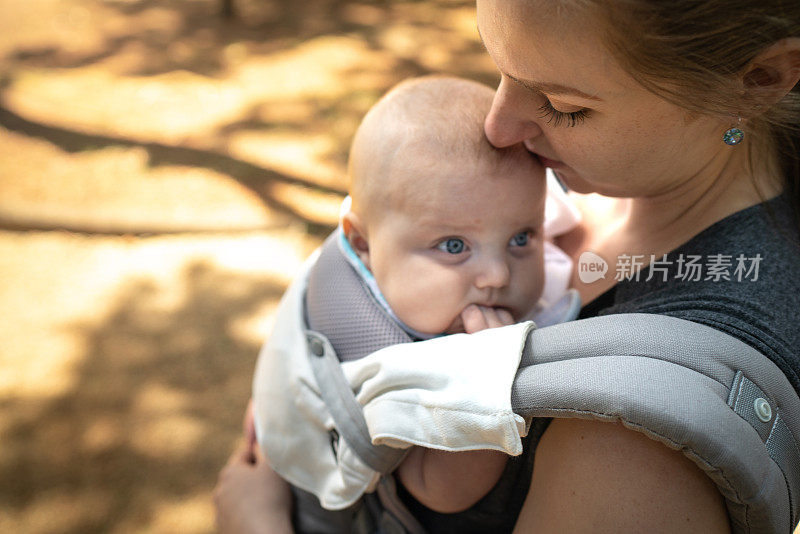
point(741, 276)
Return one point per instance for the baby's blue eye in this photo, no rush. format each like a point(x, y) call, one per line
point(519, 240)
point(452, 245)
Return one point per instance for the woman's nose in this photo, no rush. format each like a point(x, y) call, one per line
point(509, 120)
point(492, 274)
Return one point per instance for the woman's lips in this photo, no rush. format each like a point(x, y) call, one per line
point(553, 164)
point(547, 162)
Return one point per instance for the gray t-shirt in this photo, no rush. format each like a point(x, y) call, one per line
point(741, 275)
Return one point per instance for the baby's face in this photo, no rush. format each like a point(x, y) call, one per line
point(467, 233)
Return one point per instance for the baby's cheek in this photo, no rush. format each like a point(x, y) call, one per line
point(530, 287)
point(424, 306)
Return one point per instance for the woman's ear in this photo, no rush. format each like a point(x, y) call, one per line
point(356, 236)
point(773, 73)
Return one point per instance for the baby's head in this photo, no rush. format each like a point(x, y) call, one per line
point(440, 217)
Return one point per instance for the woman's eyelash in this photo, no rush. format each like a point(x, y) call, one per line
point(556, 118)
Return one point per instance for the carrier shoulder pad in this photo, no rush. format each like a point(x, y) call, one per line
point(691, 387)
point(339, 306)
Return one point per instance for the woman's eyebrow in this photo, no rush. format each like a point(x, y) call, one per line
point(553, 89)
point(545, 87)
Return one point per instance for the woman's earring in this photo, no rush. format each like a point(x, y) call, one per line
point(734, 135)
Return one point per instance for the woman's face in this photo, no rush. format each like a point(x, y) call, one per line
point(569, 101)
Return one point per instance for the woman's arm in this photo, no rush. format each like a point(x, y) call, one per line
point(595, 477)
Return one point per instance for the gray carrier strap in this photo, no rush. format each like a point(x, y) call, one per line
point(354, 325)
point(338, 304)
point(693, 388)
point(345, 409)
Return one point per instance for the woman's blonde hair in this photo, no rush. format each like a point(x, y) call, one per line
point(693, 52)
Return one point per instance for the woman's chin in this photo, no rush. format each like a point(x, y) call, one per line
point(573, 183)
point(583, 187)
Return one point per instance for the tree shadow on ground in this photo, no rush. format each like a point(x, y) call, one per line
point(264, 25)
point(154, 411)
point(256, 178)
point(259, 29)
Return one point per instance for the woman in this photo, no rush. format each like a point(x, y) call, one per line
point(646, 102)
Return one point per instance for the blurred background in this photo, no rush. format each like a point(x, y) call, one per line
point(165, 167)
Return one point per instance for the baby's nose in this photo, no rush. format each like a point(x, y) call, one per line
point(493, 273)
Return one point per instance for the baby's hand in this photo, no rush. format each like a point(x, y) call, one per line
point(477, 318)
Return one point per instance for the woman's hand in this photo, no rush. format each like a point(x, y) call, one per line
point(250, 498)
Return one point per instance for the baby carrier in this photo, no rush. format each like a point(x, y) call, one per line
point(695, 389)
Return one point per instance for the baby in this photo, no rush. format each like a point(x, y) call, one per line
point(447, 233)
point(451, 230)
point(445, 222)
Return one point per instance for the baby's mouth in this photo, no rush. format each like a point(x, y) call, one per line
point(512, 312)
point(505, 309)
point(457, 326)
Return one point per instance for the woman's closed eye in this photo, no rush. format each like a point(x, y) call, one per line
point(452, 245)
point(556, 117)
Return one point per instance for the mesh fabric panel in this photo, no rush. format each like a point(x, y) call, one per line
point(341, 307)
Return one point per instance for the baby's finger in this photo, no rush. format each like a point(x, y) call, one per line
point(492, 316)
point(473, 319)
point(504, 316)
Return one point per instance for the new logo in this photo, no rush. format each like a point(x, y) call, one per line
point(591, 267)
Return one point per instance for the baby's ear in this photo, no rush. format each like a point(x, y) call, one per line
point(356, 236)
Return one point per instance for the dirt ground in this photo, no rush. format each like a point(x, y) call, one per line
point(164, 170)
